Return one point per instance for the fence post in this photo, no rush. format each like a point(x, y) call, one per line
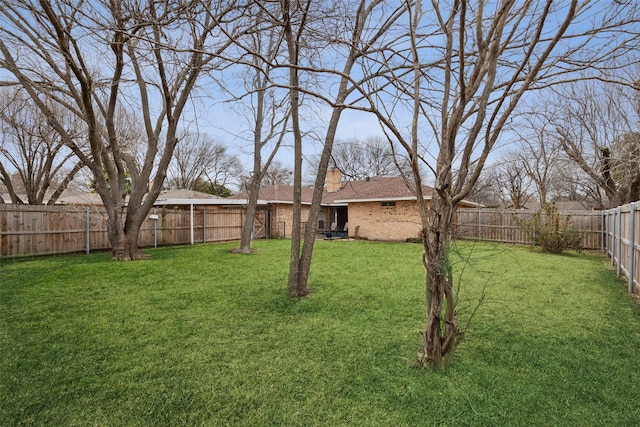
point(632, 244)
point(619, 244)
point(155, 228)
point(479, 223)
point(204, 226)
point(191, 223)
point(603, 246)
point(88, 232)
point(611, 231)
point(613, 236)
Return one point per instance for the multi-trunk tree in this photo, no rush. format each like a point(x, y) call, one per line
point(95, 58)
point(353, 30)
point(458, 71)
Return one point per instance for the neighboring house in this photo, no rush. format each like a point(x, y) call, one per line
point(377, 208)
point(79, 197)
point(178, 198)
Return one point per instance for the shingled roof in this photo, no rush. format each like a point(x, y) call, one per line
point(279, 194)
point(376, 188)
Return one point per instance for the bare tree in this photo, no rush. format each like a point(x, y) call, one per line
point(355, 30)
point(486, 192)
point(349, 31)
point(539, 154)
point(460, 72)
point(295, 17)
point(94, 58)
point(359, 159)
point(512, 181)
point(574, 185)
point(597, 127)
point(265, 107)
point(35, 160)
point(198, 159)
point(277, 174)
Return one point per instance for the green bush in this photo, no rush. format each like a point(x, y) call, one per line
point(552, 231)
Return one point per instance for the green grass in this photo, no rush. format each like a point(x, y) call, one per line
point(199, 336)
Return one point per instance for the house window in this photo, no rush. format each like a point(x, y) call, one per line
point(387, 204)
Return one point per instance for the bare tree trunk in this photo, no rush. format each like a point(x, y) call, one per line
point(346, 87)
point(256, 178)
point(295, 287)
point(440, 334)
point(304, 261)
point(247, 227)
point(120, 248)
point(271, 116)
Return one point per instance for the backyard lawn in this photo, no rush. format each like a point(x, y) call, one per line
point(198, 336)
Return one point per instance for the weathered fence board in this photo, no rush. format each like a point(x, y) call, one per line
point(45, 230)
point(616, 231)
point(505, 225)
point(622, 242)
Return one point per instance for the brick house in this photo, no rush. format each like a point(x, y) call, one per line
point(377, 208)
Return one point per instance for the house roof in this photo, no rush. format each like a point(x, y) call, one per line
point(278, 194)
point(376, 188)
point(76, 197)
point(185, 194)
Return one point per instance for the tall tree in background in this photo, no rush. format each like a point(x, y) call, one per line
point(199, 162)
point(598, 128)
point(35, 160)
point(265, 107)
point(359, 159)
point(538, 154)
point(512, 181)
point(460, 72)
point(277, 174)
point(575, 185)
point(93, 58)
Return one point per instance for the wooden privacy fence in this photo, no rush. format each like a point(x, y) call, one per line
point(616, 231)
point(503, 225)
point(622, 242)
point(42, 230)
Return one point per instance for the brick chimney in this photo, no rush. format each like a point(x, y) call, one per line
point(334, 180)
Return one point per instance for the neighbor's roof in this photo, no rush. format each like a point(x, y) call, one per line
point(76, 197)
point(185, 194)
point(279, 194)
point(166, 197)
point(189, 197)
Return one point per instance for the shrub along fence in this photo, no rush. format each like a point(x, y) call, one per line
point(45, 230)
point(615, 231)
point(504, 225)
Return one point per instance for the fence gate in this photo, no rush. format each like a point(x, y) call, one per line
point(261, 225)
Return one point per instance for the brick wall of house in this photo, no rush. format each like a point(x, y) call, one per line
point(282, 219)
point(376, 222)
